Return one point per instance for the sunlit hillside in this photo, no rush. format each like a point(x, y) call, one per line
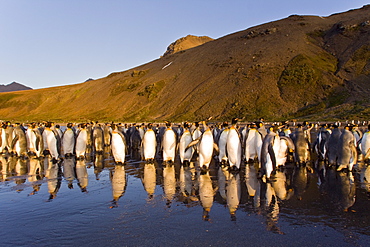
point(299, 67)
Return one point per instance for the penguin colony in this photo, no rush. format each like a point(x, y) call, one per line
point(229, 145)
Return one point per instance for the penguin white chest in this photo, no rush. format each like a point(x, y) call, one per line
point(118, 148)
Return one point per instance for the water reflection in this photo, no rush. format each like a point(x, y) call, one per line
point(118, 176)
point(206, 193)
point(149, 179)
point(35, 174)
point(82, 176)
point(54, 179)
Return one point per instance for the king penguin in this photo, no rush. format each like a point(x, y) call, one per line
point(347, 155)
point(185, 140)
point(51, 138)
point(169, 144)
point(118, 145)
point(68, 141)
point(19, 142)
point(222, 157)
point(149, 143)
point(253, 144)
point(35, 143)
point(81, 142)
point(365, 145)
point(269, 151)
point(234, 146)
point(98, 139)
point(206, 146)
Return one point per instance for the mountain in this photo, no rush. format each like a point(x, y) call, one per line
point(14, 86)
point(301, 67)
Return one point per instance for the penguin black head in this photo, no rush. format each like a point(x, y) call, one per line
point(168, 124)
point(225, 124)
point(186, 125)
point(234, 121)
point(69, 125)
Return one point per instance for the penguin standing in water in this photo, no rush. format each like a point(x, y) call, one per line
point(321, 144)
point(347, 155)
point(169, 144)
point(196, 134)
point(4, 140)
point(19, 142)
point(269, 151)
point(301, 145)
point(9, 136)
point(206, 146)
point(365, 145)
point(81, 142)
point(234, 146)
point(68, 141)
point(253, 144)
point(149, 143)
point(222, 140)
point(107, 134)
point(98, 139)
point(51, 138)
point(118, 145)
point(35, 143)
point(333, 145)
point(185, 140)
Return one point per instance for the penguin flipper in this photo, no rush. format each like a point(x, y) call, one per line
point(272, 156)
point(367, 155)
point(37, 142)
point(215, 146)
point(192, 143)
point(14, 141)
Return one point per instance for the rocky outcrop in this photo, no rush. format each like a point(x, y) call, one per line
point(185, 43)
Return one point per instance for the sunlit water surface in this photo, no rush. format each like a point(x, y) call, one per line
point(95, 203)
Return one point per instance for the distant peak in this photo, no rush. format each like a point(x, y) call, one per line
point(13, 86)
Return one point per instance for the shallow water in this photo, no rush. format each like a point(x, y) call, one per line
point(94, 202)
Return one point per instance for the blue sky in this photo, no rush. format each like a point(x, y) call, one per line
point(46, 43)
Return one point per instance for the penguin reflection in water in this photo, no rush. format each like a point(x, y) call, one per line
point(233, 194)
point(54, 179)
point(149, 179)
point(119, 183)
point(206, 193)
point(169, 182)
point(82, 176)
point(340, 188)
point(266, 203)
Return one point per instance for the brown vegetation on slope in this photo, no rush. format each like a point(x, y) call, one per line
point(300, 66)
